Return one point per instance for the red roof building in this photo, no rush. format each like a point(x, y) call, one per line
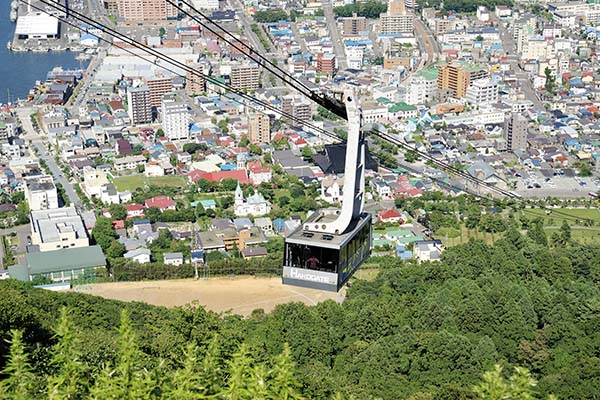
point(238, 175)
point(118, 224)
point(161, 202)
point(390, 216)
point(134, 210)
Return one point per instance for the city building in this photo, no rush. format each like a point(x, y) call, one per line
point(40, 192)
point(138, 105)
point(259, 128)
point(245, 76)
point(146, 10)
point(396, 20)
point(111, 7)
point(59, 228)
point(457, 77)
point(483, 91)
point(175, 117)
point(212, 5)
point(195, 84)
point(423, 86)
point(61, 265)
point(354, 25)
point(326, 63)
point(159, 85)
point(515, 131)
point(37, 25)
point(255, 205)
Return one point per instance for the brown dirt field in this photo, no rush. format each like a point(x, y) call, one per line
point(240, 295)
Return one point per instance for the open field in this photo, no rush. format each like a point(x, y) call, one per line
point(133, 182)
point(453, 237)
point(573, 216)
point(240, 295)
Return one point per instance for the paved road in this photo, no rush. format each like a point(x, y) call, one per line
point(57, 173)
point(22, 233)
point(336, 39)
point(255, 42)
point(509, 46)
point(427, 41)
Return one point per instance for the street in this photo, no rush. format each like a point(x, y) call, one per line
point(426, 40)
point(510, 48)
point(338, 44)
point(57, 174)
point(254, 40)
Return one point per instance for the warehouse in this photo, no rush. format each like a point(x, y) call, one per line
point(37, 26)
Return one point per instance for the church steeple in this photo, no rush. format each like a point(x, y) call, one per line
point(239, 195)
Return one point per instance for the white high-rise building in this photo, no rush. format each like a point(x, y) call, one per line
point(175, 117)
point(483, 91)
point(422, 88)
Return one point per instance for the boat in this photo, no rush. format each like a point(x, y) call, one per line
point(83, 57)
point(14, 5)
point(8, 45)
point(13, 15)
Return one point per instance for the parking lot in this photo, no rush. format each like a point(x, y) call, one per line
point(557, 186)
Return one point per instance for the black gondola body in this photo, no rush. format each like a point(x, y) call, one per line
point(325, 251)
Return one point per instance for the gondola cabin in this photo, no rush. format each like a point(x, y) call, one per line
point(326, 261)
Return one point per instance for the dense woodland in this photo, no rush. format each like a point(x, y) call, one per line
point(426, 331)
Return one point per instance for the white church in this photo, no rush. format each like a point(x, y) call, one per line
point(255, 205)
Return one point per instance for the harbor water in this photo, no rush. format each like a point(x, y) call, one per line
point(19, 71)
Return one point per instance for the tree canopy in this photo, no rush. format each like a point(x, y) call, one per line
point(416, 331)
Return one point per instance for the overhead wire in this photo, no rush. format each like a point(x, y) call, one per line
point(115, 34)
point(385, 136)
point(268, 64)
point(333, 105)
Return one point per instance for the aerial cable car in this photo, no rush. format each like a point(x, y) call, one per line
point(325, 251)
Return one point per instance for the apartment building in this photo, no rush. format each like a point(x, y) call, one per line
point(40, 192)
point(138, 105)
point(396, 19)
point(457, 77)
point(111, 7)
point(59, 228)
point(326, 63)
point(146, 10)
point(515, 132)
point(354, 25)
point(195, 84)
point(482, 91)
point(245, 76)
point(129, 163)
point(159, 85)
point(259, 128)
point(175, 117)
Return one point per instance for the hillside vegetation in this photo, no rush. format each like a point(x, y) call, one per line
point(428, 331)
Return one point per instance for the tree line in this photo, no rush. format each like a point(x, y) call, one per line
point(416, 331)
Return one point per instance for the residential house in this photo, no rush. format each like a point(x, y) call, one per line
point(173, 258)
point(163, 203)
point(141, 256)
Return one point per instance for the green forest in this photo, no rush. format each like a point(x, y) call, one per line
point(487, 322)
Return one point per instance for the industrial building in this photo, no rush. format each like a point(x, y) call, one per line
point(59, 228)
point(37, 25)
